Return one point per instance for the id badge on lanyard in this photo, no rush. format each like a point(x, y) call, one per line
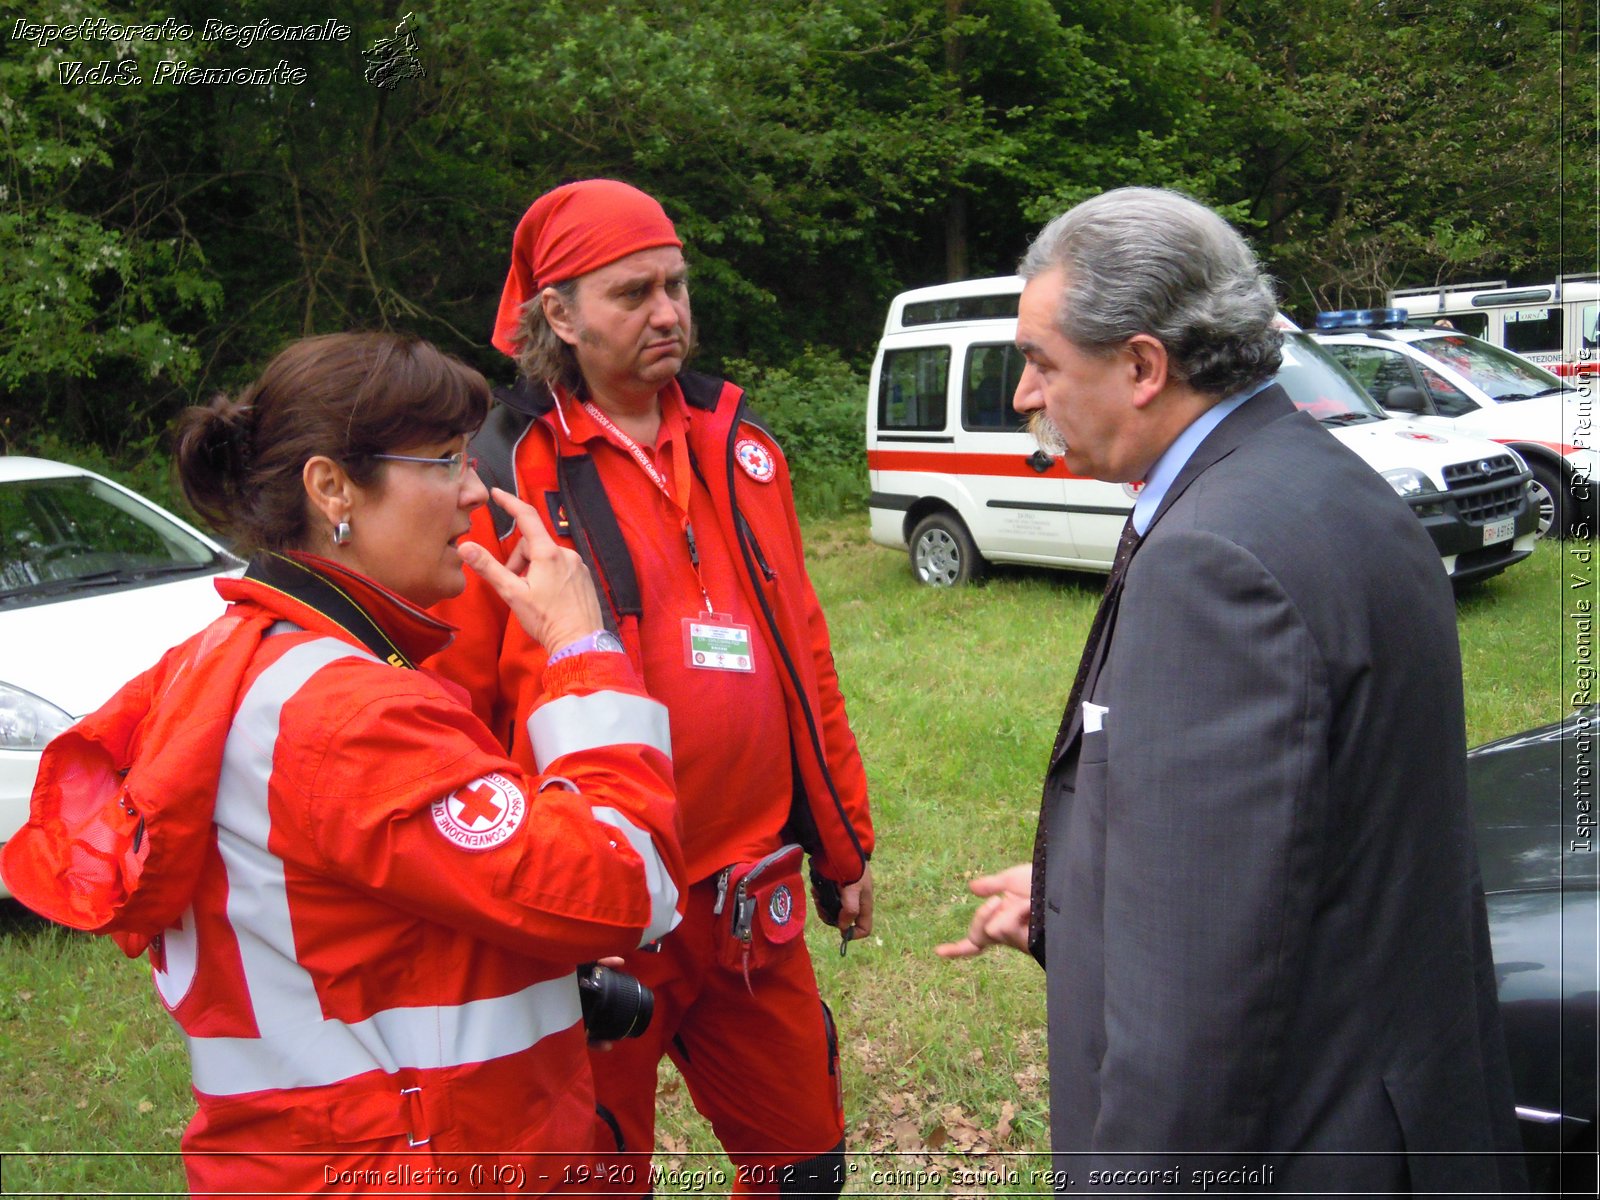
point(715, 642)
point(712, 641)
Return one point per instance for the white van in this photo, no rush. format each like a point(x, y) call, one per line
point(957, 480)
point(1556, 325)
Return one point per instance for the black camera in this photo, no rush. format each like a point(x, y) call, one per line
point(615, 1005)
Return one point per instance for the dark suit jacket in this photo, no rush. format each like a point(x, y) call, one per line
point(1263, 916)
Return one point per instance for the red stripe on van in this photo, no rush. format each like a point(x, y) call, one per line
point(1013, 466)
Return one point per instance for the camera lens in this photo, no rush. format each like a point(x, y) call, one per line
point(615, 1005)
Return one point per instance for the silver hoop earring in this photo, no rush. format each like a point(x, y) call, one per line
point(341, 534)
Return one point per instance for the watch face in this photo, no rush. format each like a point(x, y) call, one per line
point(606, 640)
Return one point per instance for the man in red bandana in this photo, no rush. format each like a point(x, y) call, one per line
point(681, 504)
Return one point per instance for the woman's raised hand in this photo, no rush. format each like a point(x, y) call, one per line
point(547, 586)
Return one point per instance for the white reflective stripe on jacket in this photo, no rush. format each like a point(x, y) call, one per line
point(572, 724)
point(297, 1046)
point(569, 724)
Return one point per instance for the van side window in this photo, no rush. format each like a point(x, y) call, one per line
point(913, 388)
point(960, 308)
point(1591, 325)
point(1533, 330)
point(1475, 323)
point(991, 381)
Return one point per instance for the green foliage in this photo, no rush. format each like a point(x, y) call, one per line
point(1415, 144)
point(87, 286)
point(816, 408)
point(818, 156)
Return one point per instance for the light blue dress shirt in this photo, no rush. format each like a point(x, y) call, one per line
point(1174, 457)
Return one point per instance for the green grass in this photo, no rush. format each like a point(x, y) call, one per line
point(954, 696)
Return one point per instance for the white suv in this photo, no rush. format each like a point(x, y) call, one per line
point(1445, 380)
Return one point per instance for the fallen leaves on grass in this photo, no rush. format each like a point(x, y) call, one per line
point(914, 1123)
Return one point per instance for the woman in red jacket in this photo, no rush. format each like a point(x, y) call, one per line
point(362, 915)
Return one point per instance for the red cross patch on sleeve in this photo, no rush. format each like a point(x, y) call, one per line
point(482, 814)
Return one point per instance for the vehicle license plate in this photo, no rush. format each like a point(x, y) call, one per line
point(1500, 531)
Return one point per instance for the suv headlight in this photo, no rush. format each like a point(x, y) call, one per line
point(1408, 482)
point(27, 722)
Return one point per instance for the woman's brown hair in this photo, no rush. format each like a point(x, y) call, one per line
point(344, 395)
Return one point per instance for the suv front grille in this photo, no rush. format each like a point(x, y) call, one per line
point(1486, 489)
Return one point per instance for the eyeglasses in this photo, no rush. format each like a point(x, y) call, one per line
point(458, 463)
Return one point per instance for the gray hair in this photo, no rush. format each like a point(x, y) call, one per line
point(541, 355)
point(1144, 260)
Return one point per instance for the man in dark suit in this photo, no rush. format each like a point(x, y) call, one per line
point(1254, 872)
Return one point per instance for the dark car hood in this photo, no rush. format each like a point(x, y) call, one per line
point(1533, 803)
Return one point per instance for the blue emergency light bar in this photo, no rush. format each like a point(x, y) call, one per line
point(1362, 318)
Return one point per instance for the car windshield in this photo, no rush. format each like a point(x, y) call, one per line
point(1320, 386)
point(75, 534)
point(1500, 374)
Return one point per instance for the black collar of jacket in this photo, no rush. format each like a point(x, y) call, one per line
point(524, 402)
point(330, 590)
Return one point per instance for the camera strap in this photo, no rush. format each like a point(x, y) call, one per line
point(316, 591)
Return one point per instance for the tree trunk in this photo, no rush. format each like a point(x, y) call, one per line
point(955, 209)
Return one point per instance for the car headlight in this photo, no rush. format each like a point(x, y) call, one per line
point(1408, 482)
point(27, 722)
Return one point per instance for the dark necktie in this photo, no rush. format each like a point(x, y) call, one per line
point(1092, 653)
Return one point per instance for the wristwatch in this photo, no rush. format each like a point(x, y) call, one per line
point(600, 639)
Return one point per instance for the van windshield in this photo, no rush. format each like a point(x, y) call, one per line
point(1320, 386)
point(1502, 375)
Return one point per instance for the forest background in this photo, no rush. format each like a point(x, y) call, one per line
point(162, 239)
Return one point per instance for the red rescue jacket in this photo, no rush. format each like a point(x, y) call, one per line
point(380, 914)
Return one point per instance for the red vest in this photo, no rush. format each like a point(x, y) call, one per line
point(742, 469)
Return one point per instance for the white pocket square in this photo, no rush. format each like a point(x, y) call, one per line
point(1094, 717)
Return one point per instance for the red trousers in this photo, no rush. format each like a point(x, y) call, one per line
point(761, 1063)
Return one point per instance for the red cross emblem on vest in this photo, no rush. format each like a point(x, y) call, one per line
point(756, 460)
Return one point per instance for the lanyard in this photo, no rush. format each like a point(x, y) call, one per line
point(678, 495)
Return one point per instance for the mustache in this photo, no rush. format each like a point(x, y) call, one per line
point(1046, 434)
point(688, 336)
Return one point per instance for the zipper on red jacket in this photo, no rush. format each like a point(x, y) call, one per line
point(755, 546)
point(752, 555)
point(743, 526)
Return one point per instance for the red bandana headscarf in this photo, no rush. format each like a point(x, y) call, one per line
point(577, 228)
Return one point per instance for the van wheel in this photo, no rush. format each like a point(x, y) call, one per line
point(942, 553)
point(1548, 496)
